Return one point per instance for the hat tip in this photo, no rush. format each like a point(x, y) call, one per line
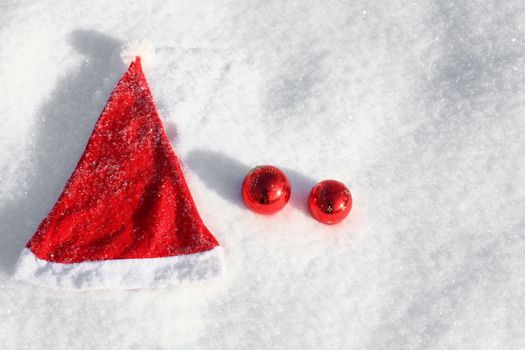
point(140, 49)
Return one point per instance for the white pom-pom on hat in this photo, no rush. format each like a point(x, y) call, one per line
point(139, 47)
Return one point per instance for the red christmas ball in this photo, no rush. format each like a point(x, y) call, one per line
point(266, 189)
point(330, 202)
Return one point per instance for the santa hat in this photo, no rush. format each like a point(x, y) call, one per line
point(126, 218)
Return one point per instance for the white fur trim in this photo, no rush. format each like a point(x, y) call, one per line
point(140, 47)
point(121, 273)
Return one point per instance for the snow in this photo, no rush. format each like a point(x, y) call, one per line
point(417, 106)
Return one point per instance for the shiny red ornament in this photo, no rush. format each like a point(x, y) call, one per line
point(330, 202)
point(266, 189)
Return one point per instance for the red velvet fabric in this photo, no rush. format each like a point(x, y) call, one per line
point(127, 197)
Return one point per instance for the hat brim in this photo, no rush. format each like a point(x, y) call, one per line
point(122, 273)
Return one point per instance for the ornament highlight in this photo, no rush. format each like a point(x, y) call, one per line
point(266, 189)
point(330, 202)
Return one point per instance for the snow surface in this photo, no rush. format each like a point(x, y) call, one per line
point(418, 106)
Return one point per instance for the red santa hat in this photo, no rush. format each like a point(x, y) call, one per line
point(126, 218)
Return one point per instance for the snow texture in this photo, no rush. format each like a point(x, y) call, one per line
point(418, 106)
